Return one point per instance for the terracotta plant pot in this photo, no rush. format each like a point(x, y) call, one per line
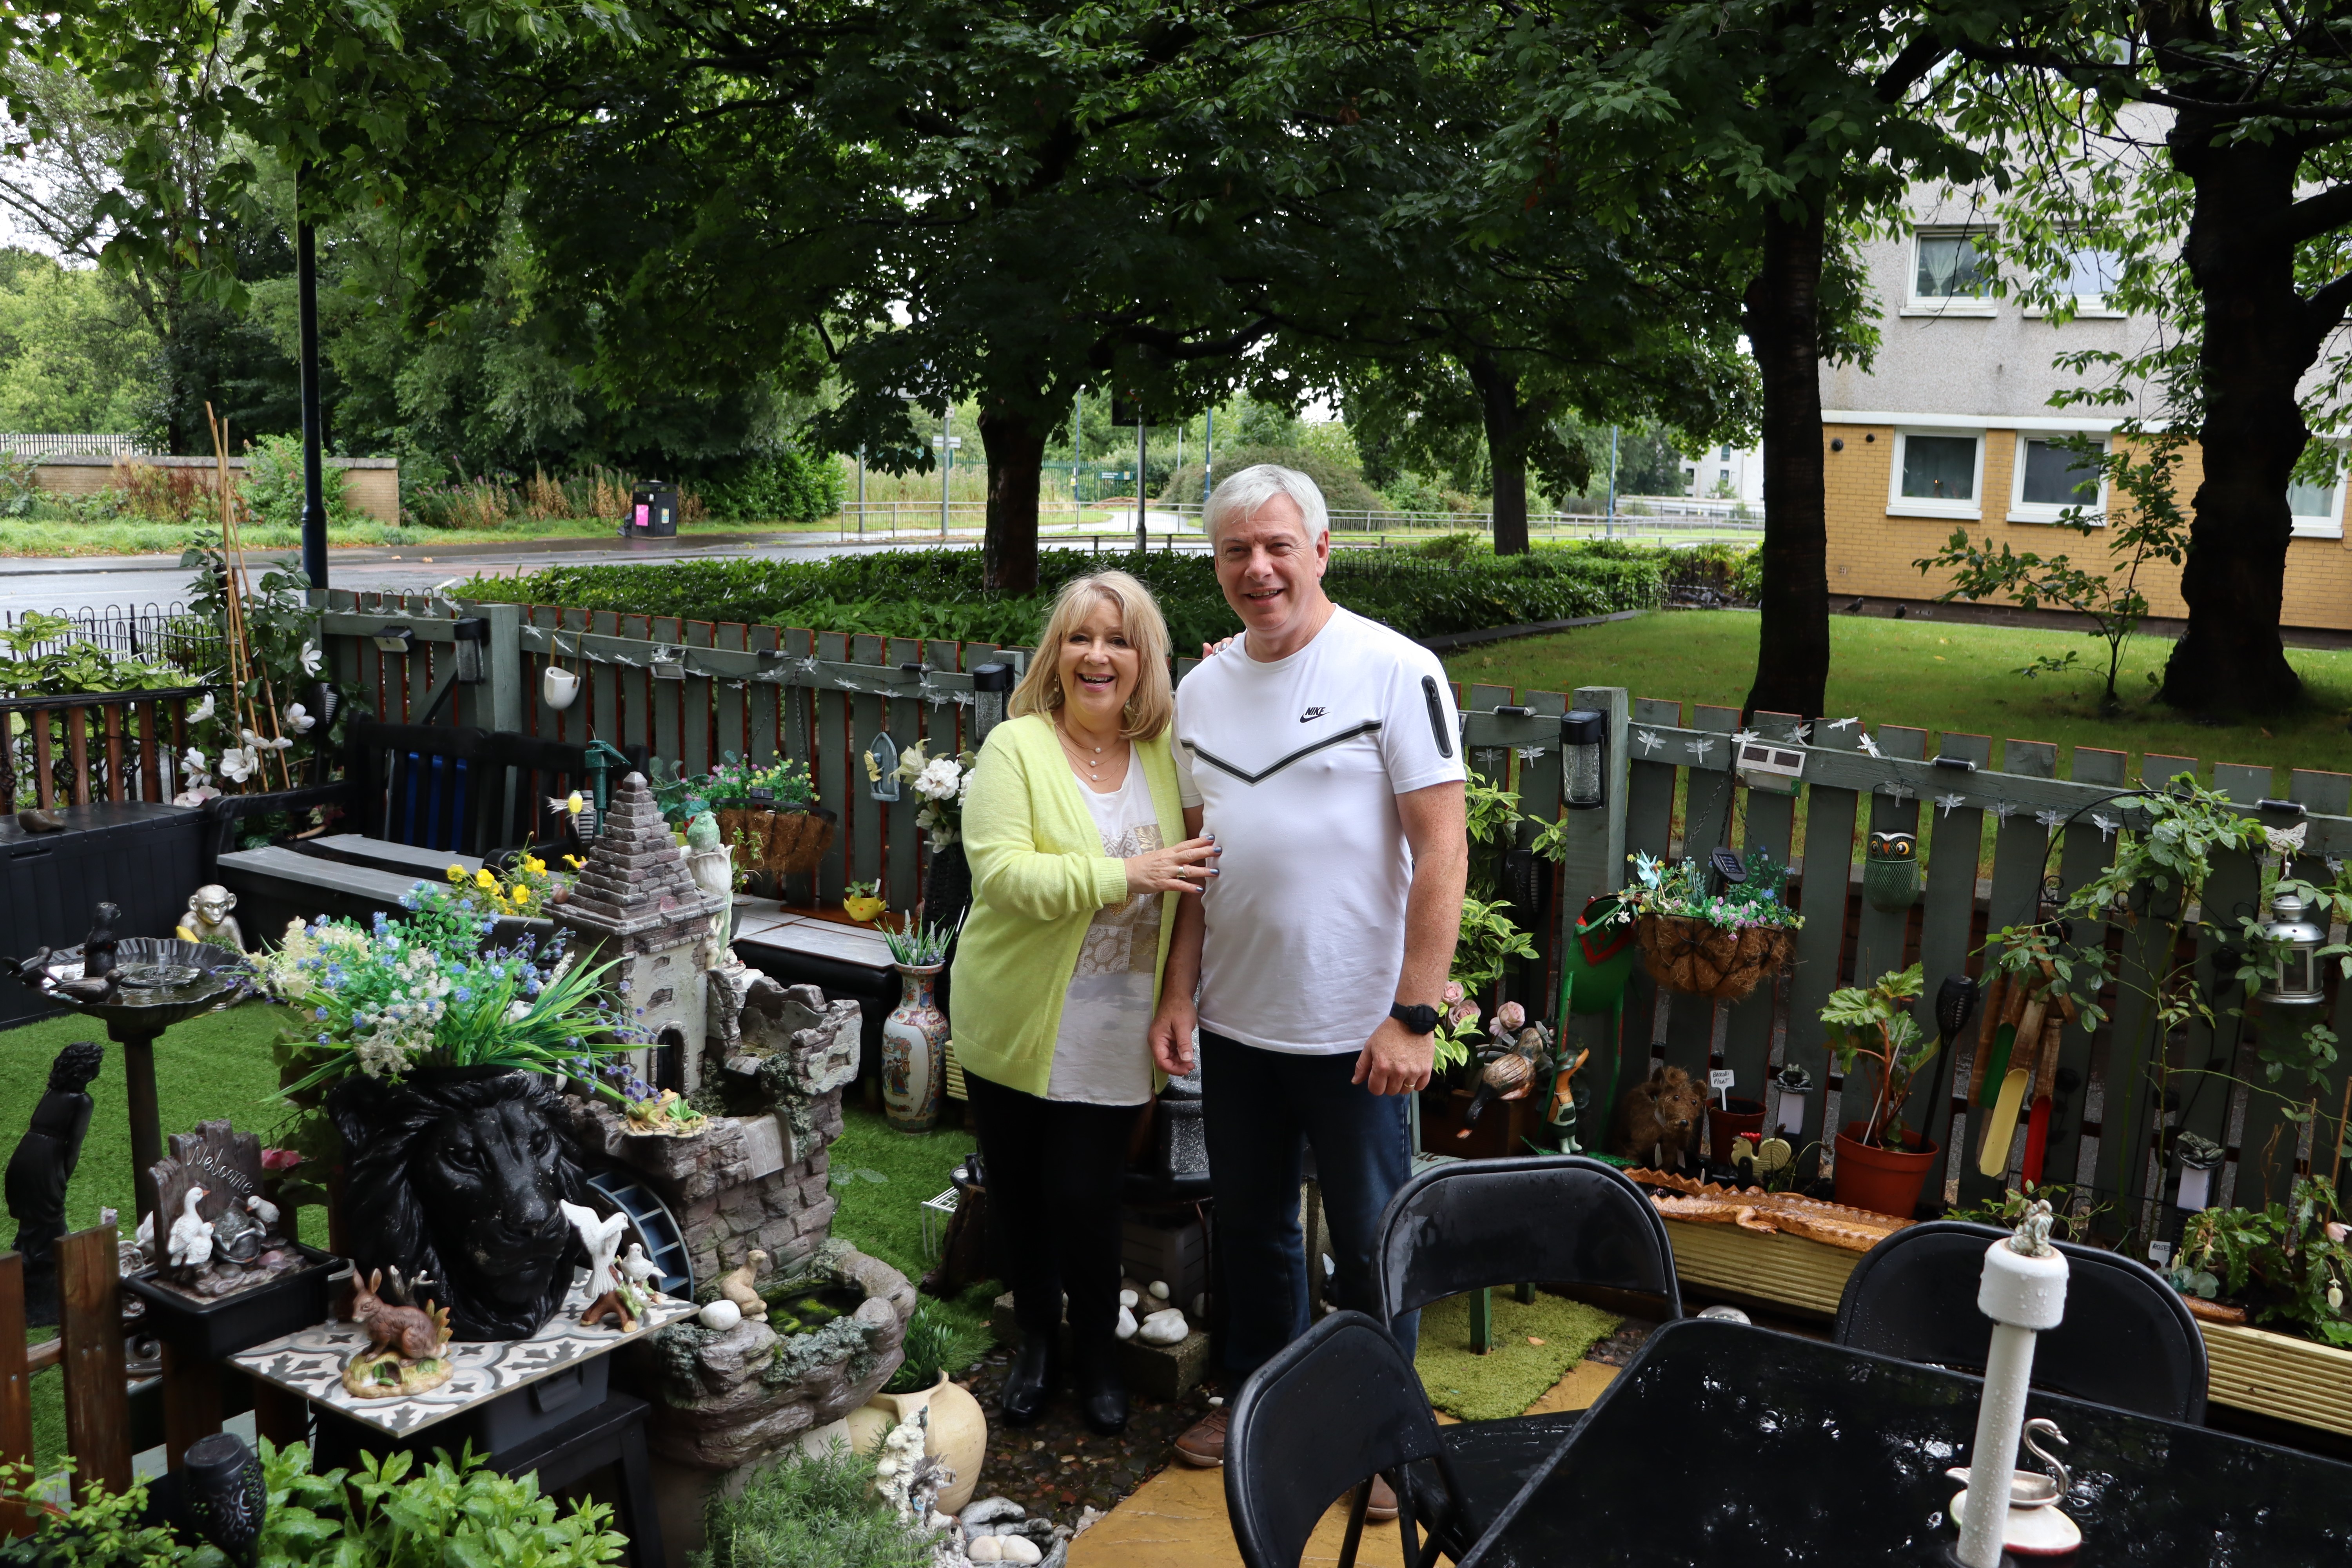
point(1875, 1177)
point(797, 841)
point(1702, 960)
point(1722, 1126)
point(955, 1431)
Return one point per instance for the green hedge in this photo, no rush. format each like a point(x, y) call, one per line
point(937, 594)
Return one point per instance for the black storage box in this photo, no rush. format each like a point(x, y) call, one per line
point(493, 1426)
point(211, 1331)
point(653, 512)
point(144, 856)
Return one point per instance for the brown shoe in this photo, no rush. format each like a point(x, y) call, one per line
point(1203, 1447)
point(1382, 1508)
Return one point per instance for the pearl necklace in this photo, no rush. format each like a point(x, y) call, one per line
point(1093, 765)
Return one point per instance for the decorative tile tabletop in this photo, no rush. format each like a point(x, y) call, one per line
point(310, 1362)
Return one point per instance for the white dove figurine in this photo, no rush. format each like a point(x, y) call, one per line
point(640, 1269)
point(602, 1237)
point(262, 1209)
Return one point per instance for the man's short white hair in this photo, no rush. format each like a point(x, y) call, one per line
point(1242, 494)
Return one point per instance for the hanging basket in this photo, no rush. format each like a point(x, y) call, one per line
point(1702, 960)
point(797, 841)
point(746, 826)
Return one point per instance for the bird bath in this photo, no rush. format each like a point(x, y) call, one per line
point(157, 982)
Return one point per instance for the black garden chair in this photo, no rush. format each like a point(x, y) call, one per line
point(1472, 1224)
point(1335, 1407)
point(2127, 1340)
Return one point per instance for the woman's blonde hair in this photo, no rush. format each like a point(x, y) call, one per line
point(1151, 707)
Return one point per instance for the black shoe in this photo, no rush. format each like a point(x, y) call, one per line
point(1028, 1382)
point(1102, 1392)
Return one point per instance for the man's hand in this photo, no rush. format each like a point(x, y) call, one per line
point(1171, 1035)
point(1392, 1062)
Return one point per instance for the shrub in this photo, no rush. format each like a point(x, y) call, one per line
point(1342, 485)
point(788, 486)
point(938, 593)
point(272, 486)
point(809, 1511)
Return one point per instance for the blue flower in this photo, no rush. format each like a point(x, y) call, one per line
point(320, 1014)
point(463, 994)
point(323, 1041)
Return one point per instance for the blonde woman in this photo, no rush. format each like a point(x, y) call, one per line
point(1079, 852)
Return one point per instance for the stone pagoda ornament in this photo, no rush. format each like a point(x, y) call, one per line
point(635, 904)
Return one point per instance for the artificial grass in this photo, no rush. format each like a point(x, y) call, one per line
point(881, 1178)
point(217, 1066)
point(1534, 1345)
point(1940, 677)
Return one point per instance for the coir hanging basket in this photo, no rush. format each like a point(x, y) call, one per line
point(1702, 960)
point(797, 841)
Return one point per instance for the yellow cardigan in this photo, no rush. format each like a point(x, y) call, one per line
point(1038, 875)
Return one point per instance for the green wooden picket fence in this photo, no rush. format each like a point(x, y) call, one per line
point(692, 691)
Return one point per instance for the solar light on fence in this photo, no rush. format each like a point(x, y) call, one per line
point(2296, 941)
point(393, 639)
point(472, 633)
point(1772, 765)
point(989, 683)
point(1584, 748)
point(2198, 1158)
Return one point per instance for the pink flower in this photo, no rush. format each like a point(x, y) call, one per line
point(1463, 1011)
point(280, 1158)
point(1453, 992)
point(2337, 1230)
point(1511, 1016)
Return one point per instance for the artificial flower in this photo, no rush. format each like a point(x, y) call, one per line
point(238, 765)
point(202, 710)
point(311, 659)
point(196, 794)
point(194, 764)
point(298, 719)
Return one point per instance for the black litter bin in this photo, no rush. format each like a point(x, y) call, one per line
point(653, 512)
point(141, 855)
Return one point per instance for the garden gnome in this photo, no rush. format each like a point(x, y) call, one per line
point(42, 1165)
point(209, 918)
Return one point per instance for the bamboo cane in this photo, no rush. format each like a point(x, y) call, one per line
point(268, 709)
point(239, 710)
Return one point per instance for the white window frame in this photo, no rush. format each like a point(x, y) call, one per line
point(1915, 304)
point(2024, 511)
point(2087, 308)
point(2332, 526)
point(1900, 505)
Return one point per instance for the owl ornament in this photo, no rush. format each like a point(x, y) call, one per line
point(1890, 877)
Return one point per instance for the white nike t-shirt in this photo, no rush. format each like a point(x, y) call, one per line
point(1297, 764)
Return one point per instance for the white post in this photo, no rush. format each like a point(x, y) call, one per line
point(2023, 1292)
point(947, 457)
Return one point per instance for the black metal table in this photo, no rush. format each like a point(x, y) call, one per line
point(1728, 1444)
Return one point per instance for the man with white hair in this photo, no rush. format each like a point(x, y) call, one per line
point(1325, 752)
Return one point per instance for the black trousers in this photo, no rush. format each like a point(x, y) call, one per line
point(1053, 1173)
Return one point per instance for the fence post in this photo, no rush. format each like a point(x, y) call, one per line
point(506, 683)
point(15, 1385)
point(89, 1318)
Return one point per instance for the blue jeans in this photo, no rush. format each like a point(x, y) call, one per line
point(1260, 1110)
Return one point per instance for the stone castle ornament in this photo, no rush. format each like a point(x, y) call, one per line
point(636, 905)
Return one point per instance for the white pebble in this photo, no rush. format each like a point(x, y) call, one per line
point(721, 1315)
point(1125, 1329)
point(987, 1549)
point(1165, 1327)
point(1160, 1290)
point(1129, 1298)
point(1017, 1549)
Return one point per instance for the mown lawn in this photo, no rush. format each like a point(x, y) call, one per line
point(1939, 677)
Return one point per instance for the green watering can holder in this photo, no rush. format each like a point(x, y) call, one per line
point(1599, 960)
point(1890, 877)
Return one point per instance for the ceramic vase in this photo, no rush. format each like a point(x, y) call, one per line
point(557, 688)
point(914, 1041)
point(955, 1432)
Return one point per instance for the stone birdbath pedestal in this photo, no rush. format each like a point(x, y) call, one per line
point(156, 982)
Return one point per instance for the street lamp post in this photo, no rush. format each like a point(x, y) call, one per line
point(305, 309)
point(1142, 542)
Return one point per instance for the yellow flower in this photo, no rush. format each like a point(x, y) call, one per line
point(482, 878)
point(572, 802)
point(456, 873)
point(534, 864)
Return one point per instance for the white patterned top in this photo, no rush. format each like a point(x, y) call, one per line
point(1102, 1055)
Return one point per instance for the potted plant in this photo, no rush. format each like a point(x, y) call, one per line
point(1706, 931)
point(2288, 1265)
point(915, 1034)
point(1880, 1162)
point(862, 902)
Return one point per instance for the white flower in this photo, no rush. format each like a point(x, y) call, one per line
point(196, 794)
point(194, 765)
point(940, 780)
point(310, 659)
point(279, 744)
point(237, 763)
point(202, 710)
point(298, 719)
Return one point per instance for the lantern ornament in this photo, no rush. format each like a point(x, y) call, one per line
point(1891, 871)
point(1584, 748)
point(2296, 943)
point(990, 685)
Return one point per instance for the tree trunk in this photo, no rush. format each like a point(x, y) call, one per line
point(2260, 338)
point(1781, 314)
point(1506, 449)
point(1016, 445)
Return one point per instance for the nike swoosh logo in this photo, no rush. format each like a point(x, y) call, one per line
point(1312, 713)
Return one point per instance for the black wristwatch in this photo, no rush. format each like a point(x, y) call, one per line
point(1416, 1018)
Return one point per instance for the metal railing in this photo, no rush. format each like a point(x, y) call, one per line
point(37, 444)
point(170, 633)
